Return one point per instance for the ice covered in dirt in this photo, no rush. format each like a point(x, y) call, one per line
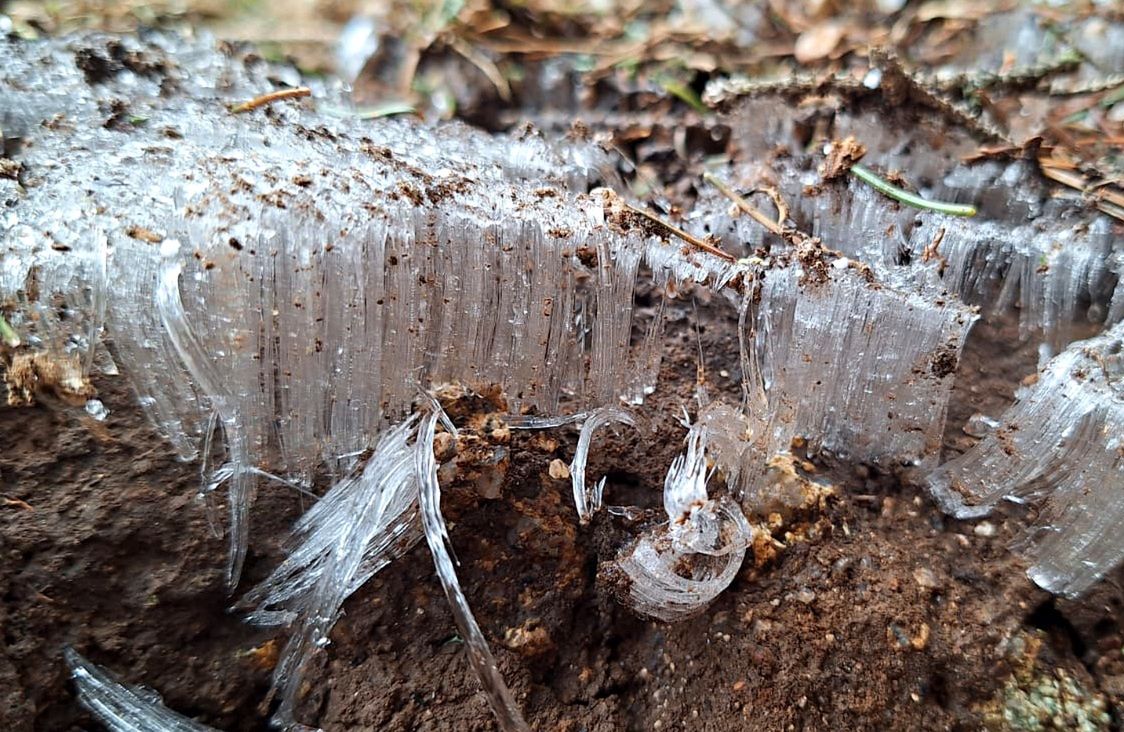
point(1033, 245)
point(299, 273)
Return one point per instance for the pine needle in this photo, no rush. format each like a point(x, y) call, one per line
point(868, 176)
point(297, 93)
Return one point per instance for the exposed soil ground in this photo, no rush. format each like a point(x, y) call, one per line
point(885, 615)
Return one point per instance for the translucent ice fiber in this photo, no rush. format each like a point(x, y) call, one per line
point(124, 708)
point(1062, 445)
point(678, 568)
point(587, 499)
point(853, 366)
point(362, 523)
point(437, 536)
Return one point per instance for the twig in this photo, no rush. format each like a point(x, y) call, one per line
point(1107, 200)
point(18, 503)
point(689, 238)
point(617, 205)
point(746, 206)
point(778, 201)
point(297, 93)
point(866, 175)
point(8, 334)
point(485, 64)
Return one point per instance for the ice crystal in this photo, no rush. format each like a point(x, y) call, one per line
point(680, 567)
point(345, 538)
point(124, 708)
point(1031, 246)
point(437, 536)
point(1059, 445)
point(854, 367)
point(588, 500)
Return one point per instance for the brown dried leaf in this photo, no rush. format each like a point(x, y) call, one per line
point(818, 42)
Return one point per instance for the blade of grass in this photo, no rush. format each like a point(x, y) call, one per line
point(389, 109)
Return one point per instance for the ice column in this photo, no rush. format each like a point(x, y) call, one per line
point(1060, 445)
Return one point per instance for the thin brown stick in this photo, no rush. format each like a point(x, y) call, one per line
point(689, 238)
point(778, 201)
point(1106, 200)
point(485, 64)
point(746, 206)
point(298, 93)
point(18, 503)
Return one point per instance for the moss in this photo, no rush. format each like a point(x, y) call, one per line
point(1039, 696)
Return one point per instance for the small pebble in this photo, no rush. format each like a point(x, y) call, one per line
point(926, 577)
point(985, 529)
point(805, 596)
point(559, 470)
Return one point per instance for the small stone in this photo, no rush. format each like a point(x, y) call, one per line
point(529, 639)
point(805, 596)
point(559, 470)
point(921, 640)
point(927, 578)
point(985, 529)
point(818, 42)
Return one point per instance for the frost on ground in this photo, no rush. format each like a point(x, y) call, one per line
point(296, 279)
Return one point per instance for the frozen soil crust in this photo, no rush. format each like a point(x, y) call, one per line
point(886, 616)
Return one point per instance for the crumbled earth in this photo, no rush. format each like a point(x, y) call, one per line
point(887, 616)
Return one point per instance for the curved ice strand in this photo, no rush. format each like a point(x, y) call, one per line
point(678, 569)
point(202, 368)
point(588, 500)
point(123, 708)
point(503, 705)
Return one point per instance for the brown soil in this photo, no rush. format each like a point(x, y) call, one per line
point(889, 616)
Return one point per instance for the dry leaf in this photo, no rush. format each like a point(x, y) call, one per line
point(817, 43)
